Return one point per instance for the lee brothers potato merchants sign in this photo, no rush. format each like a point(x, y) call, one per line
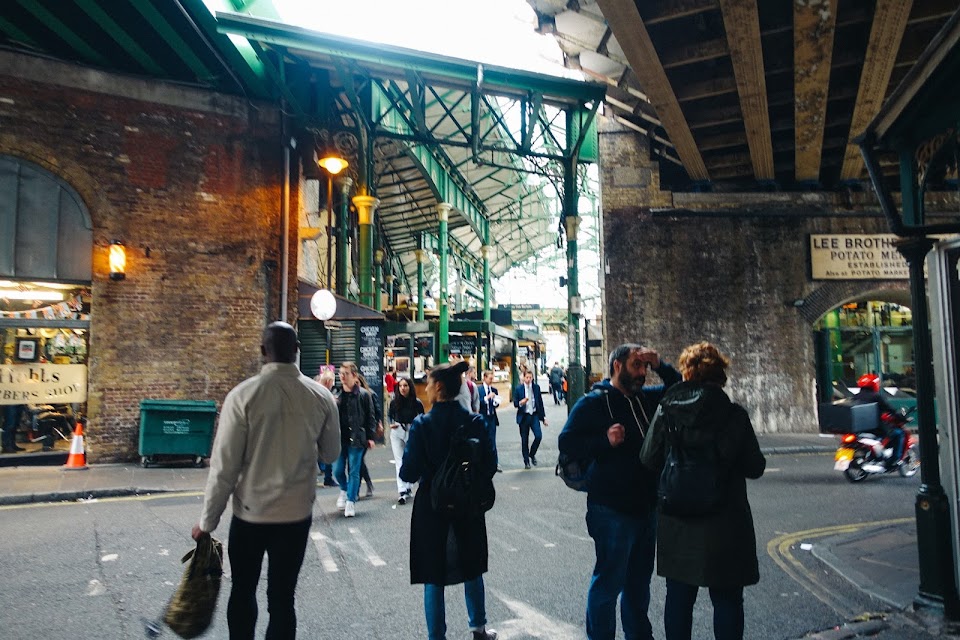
point(856, 257)
point(43, 383)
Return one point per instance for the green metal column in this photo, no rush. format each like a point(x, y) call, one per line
point(485, 251)
point(390, 296)
point(934, 543)
point(571, 221)
point(443, 337)
point(366, 208)
point(421, 256)
point(343, 234)
point(378, 279)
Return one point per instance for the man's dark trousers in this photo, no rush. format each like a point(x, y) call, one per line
point(529, 422)
point(285, 545)
point(490, 422)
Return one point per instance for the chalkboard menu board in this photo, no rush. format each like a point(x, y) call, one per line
point(370, 362)
point(463, 345)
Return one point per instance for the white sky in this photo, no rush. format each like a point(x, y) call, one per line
point(499, 32)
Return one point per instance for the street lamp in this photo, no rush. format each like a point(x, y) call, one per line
point(333, 164)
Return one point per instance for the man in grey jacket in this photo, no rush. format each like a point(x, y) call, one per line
point(273, 428)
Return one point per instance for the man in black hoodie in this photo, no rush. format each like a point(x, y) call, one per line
point(607, 426)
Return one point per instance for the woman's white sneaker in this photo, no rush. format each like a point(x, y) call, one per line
point(349, 510)
point(342, 500)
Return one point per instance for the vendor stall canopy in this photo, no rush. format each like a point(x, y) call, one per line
point(745, 94)
point(416, 128)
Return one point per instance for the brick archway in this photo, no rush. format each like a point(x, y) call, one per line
point(834, 293)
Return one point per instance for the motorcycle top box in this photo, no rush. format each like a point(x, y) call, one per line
point(846, 416)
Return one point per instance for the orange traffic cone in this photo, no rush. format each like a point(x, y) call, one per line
point(77, 459)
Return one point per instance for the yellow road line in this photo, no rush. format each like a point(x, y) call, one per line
point(779, 550)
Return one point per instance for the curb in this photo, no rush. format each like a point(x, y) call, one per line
point(779, 451)
point(76, 496)
point(824, 553)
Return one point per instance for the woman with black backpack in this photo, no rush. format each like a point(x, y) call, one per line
point(447, 548)
point(705, 535)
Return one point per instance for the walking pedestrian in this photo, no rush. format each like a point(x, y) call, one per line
point(327, 379)
point(716, 551)
point(607, 426)
point(489, 401)
point(403, 410)
point(530, 413)
point(378, 437)
point(273, 429)
point(556, 383)
point(358, 426)
point(446, 550)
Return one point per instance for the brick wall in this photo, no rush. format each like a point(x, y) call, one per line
point(190, 182)
point(727, 268)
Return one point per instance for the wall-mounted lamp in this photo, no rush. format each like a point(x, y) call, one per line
point(378, 256)
point(118, 260)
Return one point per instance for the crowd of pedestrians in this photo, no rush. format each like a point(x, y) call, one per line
point(275, 428)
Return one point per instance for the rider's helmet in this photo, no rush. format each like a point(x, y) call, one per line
point(869, 381)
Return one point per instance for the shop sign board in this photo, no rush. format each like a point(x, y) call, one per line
point(43, 383)
point(856, 257)
point(463, 345)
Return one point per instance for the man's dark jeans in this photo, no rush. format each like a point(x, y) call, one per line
point(625, 546)
point(529, 422)
point(727, 611)
point(285, 545)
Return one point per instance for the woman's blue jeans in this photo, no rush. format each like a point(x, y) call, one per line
point(435, 610)
point(727, 611)
point(351, 457)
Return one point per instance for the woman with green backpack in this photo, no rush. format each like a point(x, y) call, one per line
point(704, 447)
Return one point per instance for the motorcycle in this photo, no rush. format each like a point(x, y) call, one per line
point(864, 454)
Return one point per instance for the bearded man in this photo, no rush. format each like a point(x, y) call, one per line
point(607, 426)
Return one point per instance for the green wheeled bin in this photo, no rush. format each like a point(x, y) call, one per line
point(176, 428)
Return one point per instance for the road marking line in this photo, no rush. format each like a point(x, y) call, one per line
point(503, 522)
point(326, 558)
point(779, 550)
point(529, 622)
point(372, 556)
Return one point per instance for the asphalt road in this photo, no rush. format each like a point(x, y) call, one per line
point(93, 569)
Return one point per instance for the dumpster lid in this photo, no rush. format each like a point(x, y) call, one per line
point(202, 406)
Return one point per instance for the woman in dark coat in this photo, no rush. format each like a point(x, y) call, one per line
point(717, 551)
point(446, 550)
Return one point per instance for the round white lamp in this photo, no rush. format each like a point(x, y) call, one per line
point(323, 304)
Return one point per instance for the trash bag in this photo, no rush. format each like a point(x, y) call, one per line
point(190, 610)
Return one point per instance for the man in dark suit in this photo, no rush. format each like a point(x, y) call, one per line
point(489, 401)
point(529, 404)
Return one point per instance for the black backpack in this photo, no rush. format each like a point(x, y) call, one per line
point(693, 481)
point(575, 471)
point(460, 488)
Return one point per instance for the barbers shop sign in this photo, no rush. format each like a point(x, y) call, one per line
point(43, 383)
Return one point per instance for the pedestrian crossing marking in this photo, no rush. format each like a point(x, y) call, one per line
point(326, 558)
point(372, 556)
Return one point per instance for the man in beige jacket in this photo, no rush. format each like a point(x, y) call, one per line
point(273, 428)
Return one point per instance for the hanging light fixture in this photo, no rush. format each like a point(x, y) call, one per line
point(118, 260)
point(333, 164)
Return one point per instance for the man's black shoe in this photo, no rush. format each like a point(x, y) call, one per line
point(526, 465)
point(533, 459)
point(329, 482)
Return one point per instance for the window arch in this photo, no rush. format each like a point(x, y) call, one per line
point(45, 228)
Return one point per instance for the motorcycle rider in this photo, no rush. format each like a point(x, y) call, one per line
point(869, 393)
